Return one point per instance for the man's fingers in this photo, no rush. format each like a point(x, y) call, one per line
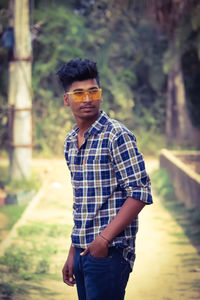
point(86, 251)
point(68, 269)
point(70, 283)
point(71, 276)
point(69, 280)
point(65, 274)
point(68, 277)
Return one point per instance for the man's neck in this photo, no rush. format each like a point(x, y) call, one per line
point(85, 124)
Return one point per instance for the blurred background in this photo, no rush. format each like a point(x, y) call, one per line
point(148, 56)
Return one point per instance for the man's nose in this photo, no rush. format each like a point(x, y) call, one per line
point(87, 97)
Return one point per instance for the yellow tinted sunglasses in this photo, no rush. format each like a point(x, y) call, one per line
point(80, 96)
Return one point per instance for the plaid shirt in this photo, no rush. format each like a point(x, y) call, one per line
point(105, 171)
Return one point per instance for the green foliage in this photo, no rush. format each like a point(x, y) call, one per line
point(162, 183)
point(63, 37)
point(148, 142)
point(133, 59)
point(131, 75)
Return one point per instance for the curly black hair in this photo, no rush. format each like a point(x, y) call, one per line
point(77, 70)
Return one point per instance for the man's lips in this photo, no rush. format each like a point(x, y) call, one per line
point(87, 107)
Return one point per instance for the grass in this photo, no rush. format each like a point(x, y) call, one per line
point(189, 219)
point(48, 230)
point(27, 263)
point(7, 290)
point(10, 289)
point(30, 258)
point(33, 259)
point(17, 261)
point(13, 212)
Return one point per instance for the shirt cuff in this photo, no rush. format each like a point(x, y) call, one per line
point(143, 194)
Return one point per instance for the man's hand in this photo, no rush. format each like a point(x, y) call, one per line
point(98, 248)
point(68, 269)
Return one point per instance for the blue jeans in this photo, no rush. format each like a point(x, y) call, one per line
point(101, 278)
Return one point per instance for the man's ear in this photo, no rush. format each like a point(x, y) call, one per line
point(66, 100)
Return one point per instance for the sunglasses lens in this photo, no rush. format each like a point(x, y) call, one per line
point(94, 95)
point(79, 96)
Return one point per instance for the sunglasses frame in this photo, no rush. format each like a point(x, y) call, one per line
point(81, 93)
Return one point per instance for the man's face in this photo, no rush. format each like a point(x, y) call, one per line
point(88, 108)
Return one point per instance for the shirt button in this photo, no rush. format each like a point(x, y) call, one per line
point(76, 209)
point(76, 187)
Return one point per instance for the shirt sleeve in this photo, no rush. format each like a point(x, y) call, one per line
point(66, 150)
point(129, 167)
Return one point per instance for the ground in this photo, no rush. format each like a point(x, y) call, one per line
point(3, 224)
point(167, 265)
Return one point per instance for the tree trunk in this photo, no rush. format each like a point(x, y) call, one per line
point(20, 94)
point(179, 129)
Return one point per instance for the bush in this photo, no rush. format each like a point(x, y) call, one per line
point(162, 183)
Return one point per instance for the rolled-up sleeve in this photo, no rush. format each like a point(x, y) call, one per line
point(129, 167)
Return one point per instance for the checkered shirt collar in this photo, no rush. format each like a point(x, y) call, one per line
point(95, 128)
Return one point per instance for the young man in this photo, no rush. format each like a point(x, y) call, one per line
point(110, 186)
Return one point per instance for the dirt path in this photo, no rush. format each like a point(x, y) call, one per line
point(167, 265)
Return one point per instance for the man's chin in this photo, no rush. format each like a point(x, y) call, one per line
point(89, 113)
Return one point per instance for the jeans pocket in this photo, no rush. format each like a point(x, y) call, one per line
point(98, 259)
